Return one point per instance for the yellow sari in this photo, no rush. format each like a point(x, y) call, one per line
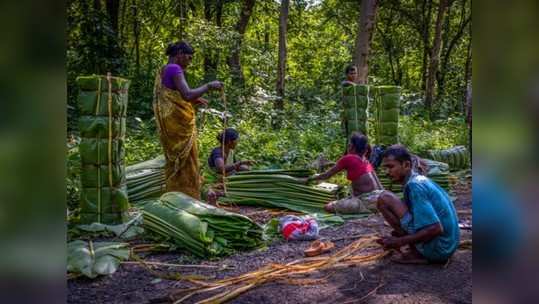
point(178, 135)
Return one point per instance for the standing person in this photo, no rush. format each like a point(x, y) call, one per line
point(226, 162)
point(426, 221)
point(351, 79)
point(365, 184)
point(351, 75)
point(174, 111)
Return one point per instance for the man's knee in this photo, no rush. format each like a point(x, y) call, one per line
point(384, 200)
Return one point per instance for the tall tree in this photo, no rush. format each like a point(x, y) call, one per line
point(181, 14)
point(451, 44)
point(211, 57)
point(113, 10)
point(234, 61)
point(434, 57)
point(366, 22)
point(281, 67)
point(136, 34)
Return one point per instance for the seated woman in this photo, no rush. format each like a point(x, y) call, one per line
point(365, 184)
point(226, 162)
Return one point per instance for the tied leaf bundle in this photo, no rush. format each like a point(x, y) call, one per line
point(456, 157)
point(146, 180)
point(387, 107)
point(275, 191)
point(200, 228)
point(102, 103)
point(355, 105)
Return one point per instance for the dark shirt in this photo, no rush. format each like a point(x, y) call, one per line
point(215, 154)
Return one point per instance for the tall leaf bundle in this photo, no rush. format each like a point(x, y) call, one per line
point(355, 105)
point(199, 228)
point(277, 191)
point(387, 107)
point(146, 179)
point(102, 103)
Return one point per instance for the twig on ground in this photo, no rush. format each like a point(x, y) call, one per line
point(174, 265)
point(370, 293)
point(354, 236)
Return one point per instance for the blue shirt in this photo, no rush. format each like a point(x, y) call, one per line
point(429, 204)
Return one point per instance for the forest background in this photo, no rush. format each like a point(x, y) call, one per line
point(282, 63)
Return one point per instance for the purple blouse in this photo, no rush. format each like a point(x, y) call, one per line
point(169, 72)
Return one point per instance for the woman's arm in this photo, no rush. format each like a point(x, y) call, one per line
point(220, 163)
point(193, 94)
point(329, 173)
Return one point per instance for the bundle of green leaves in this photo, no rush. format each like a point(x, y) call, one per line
point(199, 228)
point(276, 191)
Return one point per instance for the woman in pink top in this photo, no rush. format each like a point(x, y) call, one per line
point(365, 184)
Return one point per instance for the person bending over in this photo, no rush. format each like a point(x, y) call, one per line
point(365, 184)
point(226, 162)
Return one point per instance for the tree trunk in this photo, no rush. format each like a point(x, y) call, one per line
point(367, 18)
point(426, 40)
point(469, 114)
point(113, 8)
point(434, 57)
point(234, 61)
point(210, 63)
point(266, 37)
point(181, 8)
point(467, 71)
point(281, 68)
point(136, 32)
point(450, 47)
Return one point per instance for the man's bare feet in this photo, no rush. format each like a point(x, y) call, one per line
point(410, 257)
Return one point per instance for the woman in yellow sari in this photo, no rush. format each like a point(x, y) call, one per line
point(174, 111)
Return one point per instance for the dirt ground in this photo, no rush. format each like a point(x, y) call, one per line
point(382, 282)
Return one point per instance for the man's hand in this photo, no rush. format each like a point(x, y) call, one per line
point(390, 242)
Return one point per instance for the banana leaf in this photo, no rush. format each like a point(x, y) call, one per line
point(95, 258)
point(91, 83)
point(198, 227)
point(95, 151)
point(98, 127)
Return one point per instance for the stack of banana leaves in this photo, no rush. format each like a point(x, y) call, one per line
point(292, 172)
point(456, 157)
point(437, 171)
point(199, 228)
point(274, 190)
point(146, 180)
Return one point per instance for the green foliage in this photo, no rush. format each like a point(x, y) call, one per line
point(321, 40)
point(142, 142)
point(420, 134)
